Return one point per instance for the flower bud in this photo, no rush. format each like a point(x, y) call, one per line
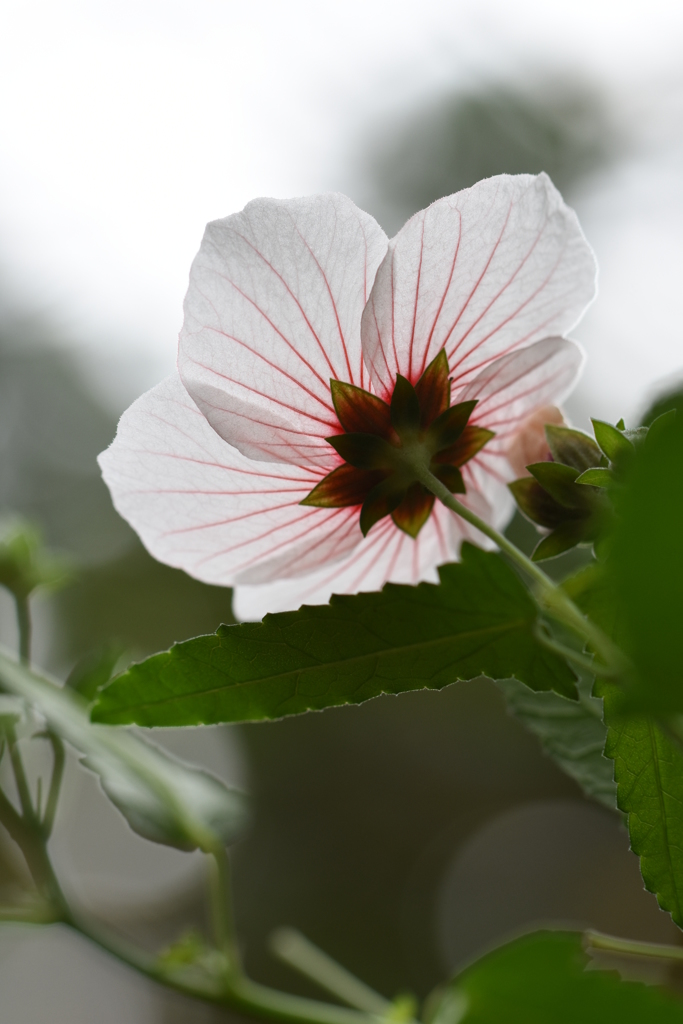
point(529, 444)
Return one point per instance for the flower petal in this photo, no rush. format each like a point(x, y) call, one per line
point(480, 273)
point(386, 554)
point(272, 313)
point(507, 392)
point(199, 505)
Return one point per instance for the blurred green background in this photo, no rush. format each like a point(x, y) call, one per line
point(403, 836)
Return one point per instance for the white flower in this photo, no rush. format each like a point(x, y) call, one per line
point(211, 466)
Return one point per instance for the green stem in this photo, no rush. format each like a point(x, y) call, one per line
point(579, 659)
point(295, 949)
point(549, 597)
point(20, 779)
point(55, 782)
point(222, 908)
point(24, 624)
point(630, 947)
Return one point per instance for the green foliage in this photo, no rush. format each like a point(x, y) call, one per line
point(648, 768)
point(161, 798)
point(94, 670)
point(571, 732)
point(645, 569)
point(478, 621)
point(648, 764)
point(542, 979)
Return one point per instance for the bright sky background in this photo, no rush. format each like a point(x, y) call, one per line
point(126, 124)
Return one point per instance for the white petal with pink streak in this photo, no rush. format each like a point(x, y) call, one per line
point(507, 392)
point(272, 313)
point(199, 505)
point(386, 554)
point(480, 273)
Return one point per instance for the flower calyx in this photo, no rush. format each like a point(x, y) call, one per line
point(384, 446)
point(570, 493)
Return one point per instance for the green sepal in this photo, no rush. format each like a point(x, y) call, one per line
point(380, 502)
point(573, 447)
point(343, 487)
point(536, 504)
point(560, 483)
point(365, 451)
point(567, 535)
point(598, 477)
point(471, 441)
point(434, 389)
point(414, 510)
point(405, 407)
point(451, 477)
point(613, 442)
point(448, 427)
point(359, 411)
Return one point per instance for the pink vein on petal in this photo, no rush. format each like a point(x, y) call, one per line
point(296, 300)
point(334, 304)
point(417, 299)
point(445, 293)
point(290, 345)
point(480, 278)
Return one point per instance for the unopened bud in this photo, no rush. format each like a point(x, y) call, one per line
point(529, 443)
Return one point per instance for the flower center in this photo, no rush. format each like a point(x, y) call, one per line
point(383, 444)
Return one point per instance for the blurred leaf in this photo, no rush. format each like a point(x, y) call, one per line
point(94, 670)
point(478, 621)
point(12, 711)
point(161, 798)
point(542, 979)
point(138, 603)
point(571, 732)
point(645, 570)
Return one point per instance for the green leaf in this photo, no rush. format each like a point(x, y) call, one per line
point(648, 768)
point(648, 765)
point(614, 444)
point(94, 670)
point(161, 798)
point(478, 621)
point(596, 477)
point(645, 569)
point(571, 732)
point(542, 979)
